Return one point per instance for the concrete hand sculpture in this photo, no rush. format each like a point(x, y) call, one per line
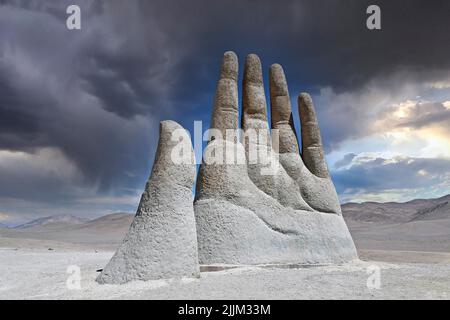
point(246, 211)
point(258, 202)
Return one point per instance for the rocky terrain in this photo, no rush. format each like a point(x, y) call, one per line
point(395, 212)
point(102, 233)
point(417, 225)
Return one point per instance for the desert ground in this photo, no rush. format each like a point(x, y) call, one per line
point(407, 245)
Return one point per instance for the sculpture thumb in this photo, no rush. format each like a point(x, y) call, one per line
point(161, 241)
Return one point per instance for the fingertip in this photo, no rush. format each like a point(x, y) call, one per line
point(230, 65)
point(230, 54)
point(253, 70)
point(304, 97)
point(276, 68)
point(278, 84)
point(253, 58)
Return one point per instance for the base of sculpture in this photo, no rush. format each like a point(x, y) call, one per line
point(150, 255)
point(229, 234)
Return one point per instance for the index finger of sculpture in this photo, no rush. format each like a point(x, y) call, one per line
point(281, 112)
point(254, 109)
point(226, 115)
point(312, 149)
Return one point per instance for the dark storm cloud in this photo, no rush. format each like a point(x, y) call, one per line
point(320, 42)
point(97, 94)
point(47, 100)
point(17, 122)
point(179, 44)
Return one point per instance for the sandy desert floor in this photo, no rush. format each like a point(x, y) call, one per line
point(412, 265)
point(39, 273)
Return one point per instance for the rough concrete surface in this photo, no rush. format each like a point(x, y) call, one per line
point(161, 242)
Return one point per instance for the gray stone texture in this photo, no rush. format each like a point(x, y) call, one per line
point(161, 242)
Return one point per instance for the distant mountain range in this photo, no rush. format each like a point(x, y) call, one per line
point(388, 212)
point(417, 225)
point(394, 212)
point(53, 221)
point(102, 233)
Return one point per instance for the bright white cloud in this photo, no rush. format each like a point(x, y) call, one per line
point(439, 84)
point(4, 216)
point(408, 130)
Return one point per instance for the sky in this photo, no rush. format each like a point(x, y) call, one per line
point(80, 109)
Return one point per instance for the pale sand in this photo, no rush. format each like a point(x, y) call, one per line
point(28, 270)
point(42, 274)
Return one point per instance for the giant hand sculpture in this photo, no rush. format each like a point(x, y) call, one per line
point(281, 207)
point(246, 214)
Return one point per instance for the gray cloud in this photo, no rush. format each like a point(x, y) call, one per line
point(406, 177)
point(426, 114)
point(346, 160)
